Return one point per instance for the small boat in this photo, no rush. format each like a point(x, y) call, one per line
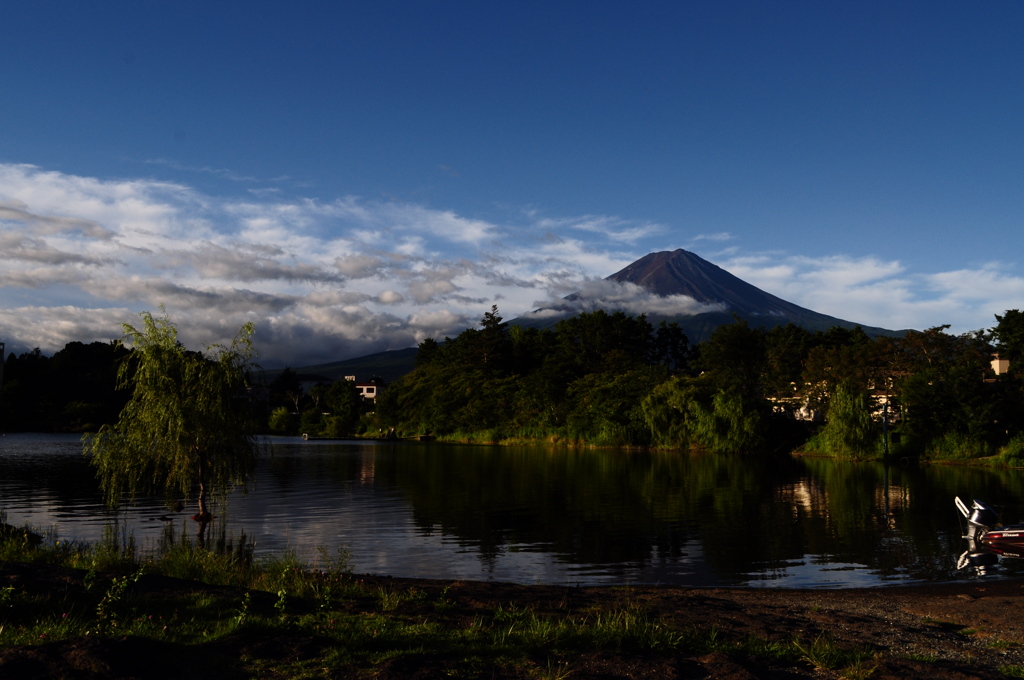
point(987, 540)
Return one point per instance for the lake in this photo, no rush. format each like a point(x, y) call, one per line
point(551, 515)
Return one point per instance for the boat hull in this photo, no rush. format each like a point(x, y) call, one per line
point(1005, 541)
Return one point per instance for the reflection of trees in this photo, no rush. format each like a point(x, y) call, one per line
point(580, 504)
point(609, 507)
point(61, 475)
point(602, 507)
point(291, 470)
point(896, 519)
point(749, 514)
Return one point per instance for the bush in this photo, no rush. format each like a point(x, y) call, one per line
point(849, 431)
point(729, 426)
point(281, 421)
point(1013, 453)
point(957, 446)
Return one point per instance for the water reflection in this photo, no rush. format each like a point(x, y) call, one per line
point(537, 514)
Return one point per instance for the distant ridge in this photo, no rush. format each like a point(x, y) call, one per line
point(680, 272)
point(390, 366)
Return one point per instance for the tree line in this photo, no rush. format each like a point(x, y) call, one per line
point(615, 379)
point(77, 390)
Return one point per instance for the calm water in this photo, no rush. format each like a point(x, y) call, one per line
point(546, 515)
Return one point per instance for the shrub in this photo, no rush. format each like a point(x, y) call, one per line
point(1013, 453)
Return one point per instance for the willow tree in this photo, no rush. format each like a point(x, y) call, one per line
point(849, 430)
point(187, 426)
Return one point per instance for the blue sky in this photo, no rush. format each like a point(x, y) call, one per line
point(357, 176)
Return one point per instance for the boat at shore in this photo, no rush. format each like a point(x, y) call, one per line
point(987, 539)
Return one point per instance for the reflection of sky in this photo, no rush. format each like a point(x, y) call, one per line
point(809, 573)
point(314, 496)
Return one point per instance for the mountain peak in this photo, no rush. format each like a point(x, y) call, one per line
point(720, 298)
point(680, 272)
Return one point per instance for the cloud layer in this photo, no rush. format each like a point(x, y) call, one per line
point(324, 281)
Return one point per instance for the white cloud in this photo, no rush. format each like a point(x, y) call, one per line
point(325, 280)
point(626, 297)
point(613, 228)
point(53, 327)
point(877, 292)
point(15, 211)
point(319, 279)
point(720, 236)
point(360, 266)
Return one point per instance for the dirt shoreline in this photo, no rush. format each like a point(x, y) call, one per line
point(954, 630)
point(946, 631)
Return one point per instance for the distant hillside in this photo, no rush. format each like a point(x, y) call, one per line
point(681, 272)
point(390, 366)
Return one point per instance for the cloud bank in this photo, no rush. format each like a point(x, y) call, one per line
point(328, 280)
point(323, 281)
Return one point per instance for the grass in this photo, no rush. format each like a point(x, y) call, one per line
point(852, 663)
point(1002, 644)
point(226, 596)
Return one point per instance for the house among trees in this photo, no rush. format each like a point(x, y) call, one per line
point(368, 390)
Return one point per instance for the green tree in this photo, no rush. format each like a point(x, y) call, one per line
point(493, 340)
point(188, 423)
point(83, 379)
point(729, 426)
point(949, 409)
point(849, 430)
point(1009, 337)
point(426, 351)
point(606, 407)
point(786, 349)
point(282, 421)
point(669, 408)
point(345, 404)
point(27, 397)
point(733, 358)
point(828, 365)
point(596, 342)
point(584, 380)
point(286, 390)
point(672, 347)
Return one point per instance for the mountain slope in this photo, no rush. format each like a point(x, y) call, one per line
point(681, 272)
point(390, 366)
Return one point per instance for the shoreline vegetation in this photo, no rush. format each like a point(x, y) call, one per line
point(106, 611)
point(602, 379)
point(614, 380)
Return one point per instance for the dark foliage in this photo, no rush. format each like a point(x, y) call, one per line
point(583, 380)
point(75, 390)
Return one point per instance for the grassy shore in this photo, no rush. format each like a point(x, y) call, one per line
point(107, 612)
point(226, 609)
